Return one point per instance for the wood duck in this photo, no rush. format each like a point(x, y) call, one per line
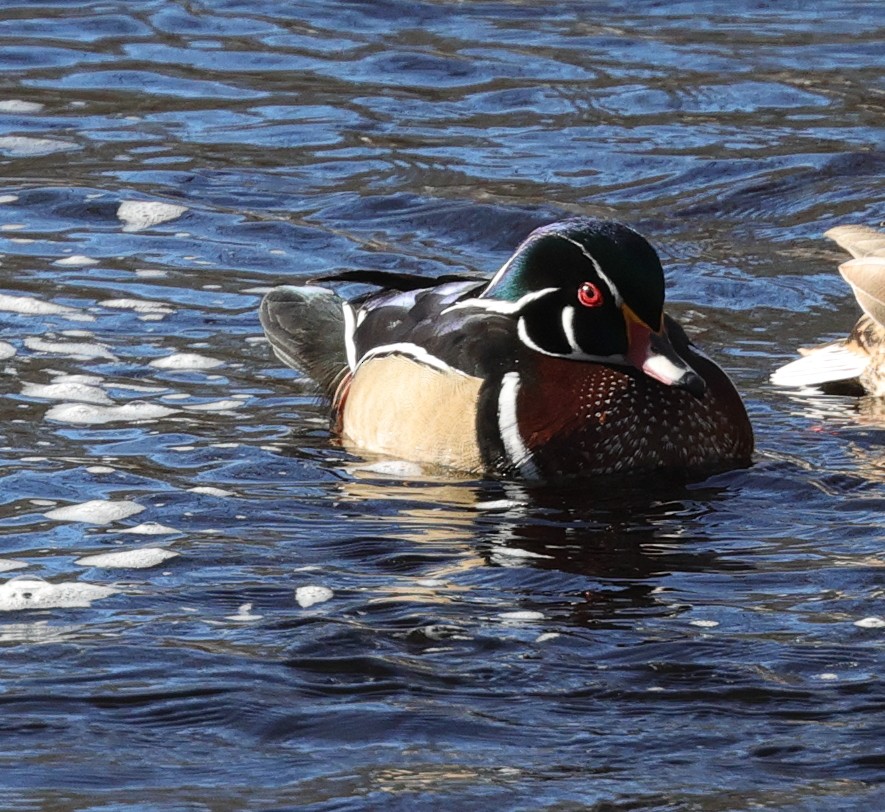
point(562, 364)
point(854, 365)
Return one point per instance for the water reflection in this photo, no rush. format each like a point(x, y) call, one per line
point(624, 543)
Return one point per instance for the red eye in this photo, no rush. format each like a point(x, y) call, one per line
point(589, 295)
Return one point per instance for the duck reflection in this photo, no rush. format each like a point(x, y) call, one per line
point(626, 537)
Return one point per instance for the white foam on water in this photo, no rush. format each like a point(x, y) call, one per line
point(35, 593)
point(141, 558)
point(6, 350)
point(8, 564)
point(19, 106)
point(208, 490)
point(83, 414)
point(500, 551)
point(870, 623)
point(151, 529)
point(82, 350)
point(244, 614)
point(140, 214)
point(828, 676)
point(139, 306)
point(88, 380)
point(23, 146)
point(307, 596)
point(100, 469)
point(76, 261)
point(545, 636)
point(95, 511)
point(78, 392)
point(521, 616)
point(150, 390)
point(215, 406)
point(78, 333)
point(704, 624)
point(29, 306)
point(8, 198)
point(186, 360)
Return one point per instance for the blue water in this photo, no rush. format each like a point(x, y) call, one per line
point(486, 645)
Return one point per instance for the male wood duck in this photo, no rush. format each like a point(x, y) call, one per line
point(855, 365)
point(563, 364)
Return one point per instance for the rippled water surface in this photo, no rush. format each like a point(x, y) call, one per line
point(272, 623)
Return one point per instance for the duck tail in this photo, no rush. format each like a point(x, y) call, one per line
point(306, 328)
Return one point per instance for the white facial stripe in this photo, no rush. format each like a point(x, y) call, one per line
point(596, 267)
point(412, 351)
point(498, 305)
point(524, 338)
point(349, 327)
point(568, 328)
point(514, 445)
point(577, 353)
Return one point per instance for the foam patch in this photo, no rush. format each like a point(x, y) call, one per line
point(244, 614)
point(29, 306)
point(9, 564)
point(81, 350)
point(95, 511)
point(307, 596)
point(19, 594)
point(19, 106)
point(208, 490)
point(76, 261)
point(186, 360)
point(215, 406)
point(141, 214)
point(89, 415)
point(151, 529)
point(78, 392)
point(139, 306)
point(139, 559)
point(23, 146)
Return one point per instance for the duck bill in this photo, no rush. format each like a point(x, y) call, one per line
point(651, 351)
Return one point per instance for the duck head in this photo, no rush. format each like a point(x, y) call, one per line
point(591, 290)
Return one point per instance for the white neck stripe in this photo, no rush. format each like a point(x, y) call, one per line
point(514, 446)
point(349, 328)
